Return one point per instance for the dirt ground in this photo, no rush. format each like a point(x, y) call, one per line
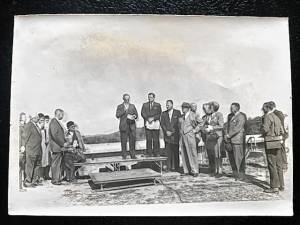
point(174, 189)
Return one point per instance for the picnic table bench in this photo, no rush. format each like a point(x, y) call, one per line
point(117, 162)
point(123, 179)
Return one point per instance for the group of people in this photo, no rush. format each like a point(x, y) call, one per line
point(48, 150)
point(184, 131)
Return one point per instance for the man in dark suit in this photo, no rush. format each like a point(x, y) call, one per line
point(235, 135)
point(56, 141)
point(127, 114)
point(170, 125)
point(151, 112)
point(281, 117)
point(33, 150)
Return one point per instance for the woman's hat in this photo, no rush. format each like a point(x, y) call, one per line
point(70, 123)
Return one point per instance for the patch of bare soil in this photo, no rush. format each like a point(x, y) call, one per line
point(182, 189)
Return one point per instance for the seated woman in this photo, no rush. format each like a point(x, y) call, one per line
point(73, 151)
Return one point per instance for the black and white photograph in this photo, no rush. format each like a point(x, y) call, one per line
point(150, 115)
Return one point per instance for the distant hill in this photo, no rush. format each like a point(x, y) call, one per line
point(113, 137)
point(252, 127)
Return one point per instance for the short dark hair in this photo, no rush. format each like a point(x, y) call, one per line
point(206, 104)
point(272, 104)
point(47, 117)
point(22, 114)
point(151, 93)
point(70, 123)
point(236, 105)
point(40, 115)
point(215, 105)
point(57, 111)
point(170, 101)
point(267, 105)
point(125, 95)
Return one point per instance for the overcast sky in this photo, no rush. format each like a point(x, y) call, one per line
point(83, 64)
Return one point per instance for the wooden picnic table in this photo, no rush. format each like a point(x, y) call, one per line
point(117, 161)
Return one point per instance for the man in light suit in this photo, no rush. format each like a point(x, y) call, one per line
point(33, 150)
point(151, 112)
point(235, 135)
point(189, 126)
point(127, 114)
point(56, 142)
point(170, 125)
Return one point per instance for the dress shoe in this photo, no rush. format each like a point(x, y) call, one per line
point(281, 189)
point(37, 184)
point(184, 174)
point(218, 175)
point(133, 157)
point(56, 183)
point(195, 174)
point(272, 190)
point(28, 185)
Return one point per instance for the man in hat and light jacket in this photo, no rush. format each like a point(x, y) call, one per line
point(272, 131)
point(190, 124)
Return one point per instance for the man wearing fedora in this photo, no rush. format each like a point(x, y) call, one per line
point(190, 124)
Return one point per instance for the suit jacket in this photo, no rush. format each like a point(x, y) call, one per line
point(56, 136)
point(21, 136)
point(154, 112)
point(217, 122)
point(192, 122)
point(32, 140)
point(170, 125)
point(236, 128)
point(271, 125)
point(121, 114)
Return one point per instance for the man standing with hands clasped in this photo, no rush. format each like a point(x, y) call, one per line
point(127, 114)
point(170, 126)
point(235, 136)
point(151, 112)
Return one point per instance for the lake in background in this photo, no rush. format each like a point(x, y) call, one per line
point(116, 146)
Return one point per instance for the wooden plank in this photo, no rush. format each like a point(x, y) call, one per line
point(97, 187)
point(107, 160)
point(119, 176)
point(100, 154)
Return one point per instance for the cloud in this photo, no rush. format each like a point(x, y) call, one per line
point(84, 64)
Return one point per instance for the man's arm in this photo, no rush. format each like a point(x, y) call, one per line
point(163, 123)
point(27, 134)
point(199, 123)
point(220, 124)
point(266, 124)
point(158, 113)
point(239, 126)
point(144, 113)
point(135, 112)
point(120, 111)
point(54, 129)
